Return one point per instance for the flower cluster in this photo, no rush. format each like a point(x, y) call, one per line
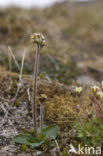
point(38, 38)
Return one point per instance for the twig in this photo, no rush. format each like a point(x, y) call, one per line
point(14, 58)
point(28, 93)
point(58, 148)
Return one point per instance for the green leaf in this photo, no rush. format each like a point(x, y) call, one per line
point(29, 139)
point(39, 129)
point(51, 131)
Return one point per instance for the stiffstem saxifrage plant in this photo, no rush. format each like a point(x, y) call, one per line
point(89, 126)
point(40, 134)
point(40, 42)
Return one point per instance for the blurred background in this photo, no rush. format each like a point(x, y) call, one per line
point(30, 3)
point(74, 34)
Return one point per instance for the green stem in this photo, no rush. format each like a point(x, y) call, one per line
point(35, 88)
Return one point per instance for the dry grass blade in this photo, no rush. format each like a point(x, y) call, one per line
point(20, 76)
point(11, 53)
point(58, 148)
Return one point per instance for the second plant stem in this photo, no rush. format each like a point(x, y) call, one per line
point(35, 88)
point(41, 116)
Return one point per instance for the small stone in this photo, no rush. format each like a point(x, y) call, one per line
point(55, 152)
point(38, 153)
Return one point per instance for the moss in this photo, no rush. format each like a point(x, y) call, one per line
point(60, 109)
point(60, 104)
point(24, 148)
point(65, 152)
point(17, 103)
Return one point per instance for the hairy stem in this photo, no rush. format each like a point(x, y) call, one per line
point(95, 103)
point(41, 116)
point(35, 75)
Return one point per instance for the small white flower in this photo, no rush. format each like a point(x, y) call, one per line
point(95, 88)
point(100, 94)
point(78, 90)
point(102, 85)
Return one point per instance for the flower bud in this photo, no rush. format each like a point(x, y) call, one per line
point(44, 96)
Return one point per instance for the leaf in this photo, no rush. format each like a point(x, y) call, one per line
point(51, 131)
point(29, 139)
point(39, 129)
